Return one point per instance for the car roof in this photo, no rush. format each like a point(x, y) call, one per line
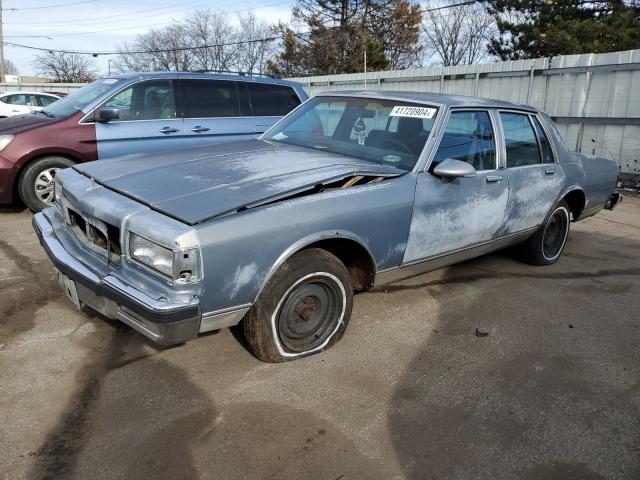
point(431, 98)
point(237, 76)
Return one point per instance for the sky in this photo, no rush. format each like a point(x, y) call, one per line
point(65, 24)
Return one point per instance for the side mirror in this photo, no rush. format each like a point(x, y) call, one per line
point(451, 168)
point(105, 115)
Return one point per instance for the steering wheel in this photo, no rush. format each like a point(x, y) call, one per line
point(395, 143)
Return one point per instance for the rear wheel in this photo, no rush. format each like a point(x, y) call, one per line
point(303, 309)
point(35, 186)
point(546, 245)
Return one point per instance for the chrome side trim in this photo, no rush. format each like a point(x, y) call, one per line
point(436, 262)
point(227, 317)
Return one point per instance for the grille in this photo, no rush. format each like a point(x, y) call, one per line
point(96, 235)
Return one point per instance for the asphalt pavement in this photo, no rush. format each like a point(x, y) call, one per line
point(413, 391)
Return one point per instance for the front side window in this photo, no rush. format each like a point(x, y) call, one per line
point(272, 100)
point(469, 138)
point(209, 98)
point(545, 146)
point(520, 140)
point(381, 131)
point(82, 97)
point(151, 100)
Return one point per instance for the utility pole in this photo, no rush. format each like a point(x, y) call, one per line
point(1, 48)
point(365, 65)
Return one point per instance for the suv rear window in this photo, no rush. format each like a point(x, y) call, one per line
point(209, 98)
point(272, 100)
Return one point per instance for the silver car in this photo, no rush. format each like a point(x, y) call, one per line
point(347, 192)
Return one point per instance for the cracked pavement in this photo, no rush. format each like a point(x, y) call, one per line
point(553, 391)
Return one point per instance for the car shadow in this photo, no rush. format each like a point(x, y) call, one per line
point(530, 372)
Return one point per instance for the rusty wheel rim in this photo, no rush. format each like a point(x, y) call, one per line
point(309, 314)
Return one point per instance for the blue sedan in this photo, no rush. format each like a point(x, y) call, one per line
point(348, 191)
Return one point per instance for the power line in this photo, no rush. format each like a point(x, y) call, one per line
point(129, 27)
point(50, 6)
point(82, 20)
point(199, 47)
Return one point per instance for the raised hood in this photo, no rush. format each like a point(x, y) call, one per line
point(197, 184)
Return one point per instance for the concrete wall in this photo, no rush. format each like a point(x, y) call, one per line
point(590, 96)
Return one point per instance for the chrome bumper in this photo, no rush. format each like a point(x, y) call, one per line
point(163, 322)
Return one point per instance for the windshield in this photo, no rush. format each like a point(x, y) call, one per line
point(388, 132)
point(81, 98)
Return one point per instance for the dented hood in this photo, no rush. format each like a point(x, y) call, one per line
point(197, 184)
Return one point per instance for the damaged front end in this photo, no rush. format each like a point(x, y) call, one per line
point(123, 260)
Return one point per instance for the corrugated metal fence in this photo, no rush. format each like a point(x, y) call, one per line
point(41, 87)
point(591, 96)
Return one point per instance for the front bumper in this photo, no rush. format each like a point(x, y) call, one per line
point(162, 321)
point(7, 177)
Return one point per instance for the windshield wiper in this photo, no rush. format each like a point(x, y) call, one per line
point(44, 112)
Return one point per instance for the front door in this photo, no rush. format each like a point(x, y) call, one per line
point(452, 214)
point(148, 122)
point(212, 112)
point(535, 179)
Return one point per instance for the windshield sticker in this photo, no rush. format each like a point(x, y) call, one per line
point(413, 112)
point(109, 81)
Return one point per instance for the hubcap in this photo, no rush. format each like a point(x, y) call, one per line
point(309, 314)
point(555, 234)
point(44, 185)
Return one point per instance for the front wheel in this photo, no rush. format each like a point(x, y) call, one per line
point(303, 309)
point(36, 182)
point(546, 245)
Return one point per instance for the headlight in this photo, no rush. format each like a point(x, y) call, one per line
point(180, 266)
point(5, 140)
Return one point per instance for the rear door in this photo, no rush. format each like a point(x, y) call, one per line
point(212, 112)
point(270, 102)
point(148, 122)
point(535, 179)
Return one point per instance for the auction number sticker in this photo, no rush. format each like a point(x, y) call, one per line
point(415, 112)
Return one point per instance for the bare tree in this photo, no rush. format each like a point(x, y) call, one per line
point(65, 67)
point(254, 55)
point(10, 67)
point(457, 35)
point(206, 40)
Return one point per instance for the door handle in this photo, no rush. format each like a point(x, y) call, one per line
point(168, 130)
point(199, 129)
point(550, 171)
point(494, 178)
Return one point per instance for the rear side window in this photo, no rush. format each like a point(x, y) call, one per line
point(545, 146)
point(272, 100)
point(520, 140)
point(45, 101)
point(468, 137)
point(209, 98)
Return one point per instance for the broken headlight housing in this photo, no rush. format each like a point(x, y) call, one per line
point(179, 265)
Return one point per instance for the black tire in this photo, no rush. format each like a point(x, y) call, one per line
point(547, 244)
point(303, 309)
point(36, 200)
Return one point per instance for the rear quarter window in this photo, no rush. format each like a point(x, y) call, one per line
point(272, 100)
